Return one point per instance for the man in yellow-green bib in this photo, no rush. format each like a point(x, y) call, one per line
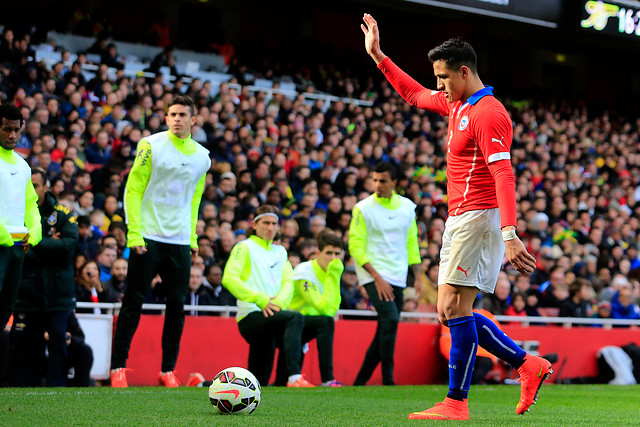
point(317, 297)
point(383, 241)
point(20, 226)
point(161, 201)
point(260, 276)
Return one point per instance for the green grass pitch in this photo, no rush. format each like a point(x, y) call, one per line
point(558, 405)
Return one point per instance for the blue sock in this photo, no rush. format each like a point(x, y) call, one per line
point(496, 342)
point(464, 345)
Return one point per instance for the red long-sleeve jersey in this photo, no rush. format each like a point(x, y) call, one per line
point(479, 172)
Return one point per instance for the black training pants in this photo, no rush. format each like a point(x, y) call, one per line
point(173, 263)
point(382, 348)
point(262, 333)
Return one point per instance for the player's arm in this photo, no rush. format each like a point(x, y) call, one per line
point(357, 245)
point(236, 272)
point(358, 242)
point(358, 237)
point(327, 302)
point(310, 295)
point(283, 299)
point(134, 191)
point(32, 216)
point(195, 207)
point(415, 263)
point(493, 133)
point(5, 236)
point(412, 91)
point(332, 286)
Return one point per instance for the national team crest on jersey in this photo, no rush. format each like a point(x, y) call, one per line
point(52, 219)
point(464, 122)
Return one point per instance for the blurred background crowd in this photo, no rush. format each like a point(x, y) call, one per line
point(577, 166)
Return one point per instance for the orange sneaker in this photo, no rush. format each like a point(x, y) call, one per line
point(195, 379)
point(449, 409)
point(168, 379)
point(300, 382)
point(119, 378)
point(533, 372)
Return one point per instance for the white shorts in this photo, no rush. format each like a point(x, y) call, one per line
point(472, 250)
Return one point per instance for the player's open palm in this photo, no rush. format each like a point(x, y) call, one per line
point(371, 37)
point(518, 256)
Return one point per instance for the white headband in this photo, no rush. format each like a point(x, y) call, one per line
point(265, 214)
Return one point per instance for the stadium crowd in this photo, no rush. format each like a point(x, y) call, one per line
point(578, 177)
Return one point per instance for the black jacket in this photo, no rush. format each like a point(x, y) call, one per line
point(47, 277)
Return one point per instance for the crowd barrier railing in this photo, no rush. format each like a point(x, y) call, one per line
point(228, 311)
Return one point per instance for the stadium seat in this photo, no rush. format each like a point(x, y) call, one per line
point(263, 83)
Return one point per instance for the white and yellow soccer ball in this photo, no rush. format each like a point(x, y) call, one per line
point(235, 391)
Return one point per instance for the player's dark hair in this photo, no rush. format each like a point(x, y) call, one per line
point(183, 100)
point(383, 167)
point(455, 53)
point(328, 238)
point(10, 112)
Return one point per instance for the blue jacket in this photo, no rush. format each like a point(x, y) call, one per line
point(618, 311)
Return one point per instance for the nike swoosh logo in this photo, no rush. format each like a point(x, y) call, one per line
point(13, 173)
point(540, 373)
point(185, 164)
point(274, 265)
point(235, 392)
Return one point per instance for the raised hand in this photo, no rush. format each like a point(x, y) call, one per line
point(372, 38)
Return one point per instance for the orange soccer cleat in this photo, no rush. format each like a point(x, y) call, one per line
point(195, 380)
point(168, 379)
point(300, 382)
point(119, 378)
point(533, 372)
point(449, 409)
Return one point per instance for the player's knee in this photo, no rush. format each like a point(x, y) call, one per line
point(451, 310)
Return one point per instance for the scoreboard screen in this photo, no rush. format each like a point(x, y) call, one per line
point(615, 17)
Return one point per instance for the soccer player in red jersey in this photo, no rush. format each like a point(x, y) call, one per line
point(482, 215)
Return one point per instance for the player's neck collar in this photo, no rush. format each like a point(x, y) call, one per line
point(487, 90)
